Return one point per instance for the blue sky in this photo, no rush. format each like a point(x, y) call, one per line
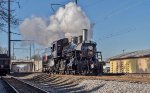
point(119, 24)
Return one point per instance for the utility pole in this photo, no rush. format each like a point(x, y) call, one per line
point(13, 50)
point(76, 2)
point(33, 48)
point(9, 32)
point(30, 50)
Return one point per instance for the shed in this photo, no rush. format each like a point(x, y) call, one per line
point(131, 62)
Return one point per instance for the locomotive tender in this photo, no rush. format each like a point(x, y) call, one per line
point(79, 56)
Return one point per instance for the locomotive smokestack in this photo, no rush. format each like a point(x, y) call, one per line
point(85, 34)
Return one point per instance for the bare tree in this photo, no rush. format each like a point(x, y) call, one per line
point(36, 57)
point(4, 16)
point(3, 50)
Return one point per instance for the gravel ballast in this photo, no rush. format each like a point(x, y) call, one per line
point(101, 86)
point(73, 84)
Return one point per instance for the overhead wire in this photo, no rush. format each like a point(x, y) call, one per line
point(131, 29)
point(117, 11)
point(11, 32)
point(92, 4)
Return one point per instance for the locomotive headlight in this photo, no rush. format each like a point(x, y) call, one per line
point(90, 52)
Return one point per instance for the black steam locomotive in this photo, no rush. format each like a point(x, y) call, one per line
point(78, 56)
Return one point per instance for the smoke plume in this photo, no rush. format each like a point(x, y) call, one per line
point(67, 21)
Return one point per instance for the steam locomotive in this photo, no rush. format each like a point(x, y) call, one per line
point(78, 56)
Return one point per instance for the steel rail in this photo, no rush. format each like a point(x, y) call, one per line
point(44, 91)
point(14, 89)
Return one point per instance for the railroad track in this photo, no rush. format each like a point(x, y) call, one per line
point(133, 78)
point(56, 83)
point(19, 86)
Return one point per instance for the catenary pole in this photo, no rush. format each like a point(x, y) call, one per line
point(9, 32)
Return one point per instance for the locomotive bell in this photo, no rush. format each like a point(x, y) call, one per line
point(85, 34)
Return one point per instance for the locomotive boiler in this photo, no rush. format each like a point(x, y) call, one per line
point(76, 56)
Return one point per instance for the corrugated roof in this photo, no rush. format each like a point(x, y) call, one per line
point(135, 54)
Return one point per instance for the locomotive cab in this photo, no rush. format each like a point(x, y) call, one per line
point(57, 47)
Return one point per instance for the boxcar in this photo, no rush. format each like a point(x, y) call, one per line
point(4, 64)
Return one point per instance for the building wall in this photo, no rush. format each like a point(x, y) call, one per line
point(31, 66)
point(133, 65)
point(25, 68)
point(38, 66)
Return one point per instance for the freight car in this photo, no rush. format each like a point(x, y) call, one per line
point(4, 64)
point(78, 56)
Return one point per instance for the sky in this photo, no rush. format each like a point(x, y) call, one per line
point(119, 25)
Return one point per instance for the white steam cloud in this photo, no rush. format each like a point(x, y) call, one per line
point(67, 21)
